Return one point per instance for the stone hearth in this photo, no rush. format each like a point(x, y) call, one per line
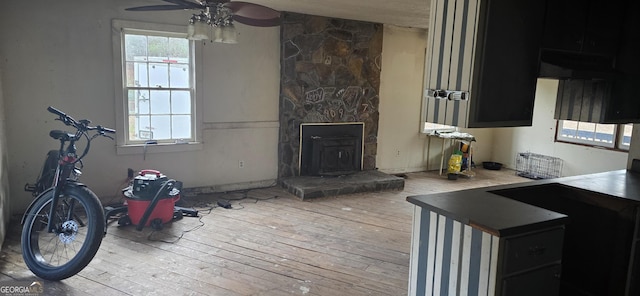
point(364, 181)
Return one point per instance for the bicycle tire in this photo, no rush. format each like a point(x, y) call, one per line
point(59, 255)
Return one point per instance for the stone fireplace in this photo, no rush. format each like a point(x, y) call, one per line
point(330, 76)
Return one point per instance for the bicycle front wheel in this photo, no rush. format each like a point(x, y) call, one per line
point(77, 233)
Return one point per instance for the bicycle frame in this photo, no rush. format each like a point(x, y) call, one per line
point(66, 165)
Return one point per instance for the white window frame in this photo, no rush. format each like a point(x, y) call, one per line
point(620, 137)
point(124, 146)
point(616, 144)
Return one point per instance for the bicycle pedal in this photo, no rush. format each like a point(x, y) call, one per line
point(29, 187)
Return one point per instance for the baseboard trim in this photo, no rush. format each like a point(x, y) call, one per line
point(229, 187)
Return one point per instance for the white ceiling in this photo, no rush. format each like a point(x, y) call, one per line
point(405, 13)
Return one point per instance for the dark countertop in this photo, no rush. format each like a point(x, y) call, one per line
point(501, 216)
point(622, 184)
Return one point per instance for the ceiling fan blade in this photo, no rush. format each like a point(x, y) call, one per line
point(192, 5)
point(245, 11)
point(156, 7)
point(257, 22)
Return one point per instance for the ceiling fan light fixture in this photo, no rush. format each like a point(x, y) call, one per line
point(191, 31)
point(229, 34)
point(217, 34)
point(200, 30)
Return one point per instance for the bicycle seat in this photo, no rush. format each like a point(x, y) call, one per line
point(62, 135)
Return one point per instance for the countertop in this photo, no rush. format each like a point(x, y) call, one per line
point(501, 216)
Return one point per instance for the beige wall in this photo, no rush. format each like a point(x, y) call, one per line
point(540, 138)
point(62, 57)
point(401, 147)
point(5, 209)
point(634, 149)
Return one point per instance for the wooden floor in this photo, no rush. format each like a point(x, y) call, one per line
point(269, 243)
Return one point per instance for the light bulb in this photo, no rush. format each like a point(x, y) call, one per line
point(229, 34)
point(200, 30)
point(217, 34)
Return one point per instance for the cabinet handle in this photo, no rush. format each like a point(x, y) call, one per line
point(447, 94)
point(458, 96)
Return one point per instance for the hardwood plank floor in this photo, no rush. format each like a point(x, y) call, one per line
point(269, 243)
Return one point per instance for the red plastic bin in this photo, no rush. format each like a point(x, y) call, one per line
point(163, 210)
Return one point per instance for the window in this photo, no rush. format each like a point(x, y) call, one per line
point(430, 127)
point(611, 136)
point(157, 95)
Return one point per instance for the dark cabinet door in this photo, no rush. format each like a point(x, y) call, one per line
point(506, 64)
point(565, 24)
point(603, 27)
point(591, 27)
point(582, 99)
point(624, 103)
point(543, 281)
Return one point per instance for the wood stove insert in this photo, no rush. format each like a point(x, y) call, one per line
point(331, 149)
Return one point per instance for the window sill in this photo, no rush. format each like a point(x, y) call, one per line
point(158, 148)
point(593, 145)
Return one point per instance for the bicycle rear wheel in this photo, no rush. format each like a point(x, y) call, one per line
point(78, 231)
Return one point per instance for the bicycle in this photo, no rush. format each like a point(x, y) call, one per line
point(64, 225)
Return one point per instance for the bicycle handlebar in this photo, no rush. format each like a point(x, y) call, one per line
point(80, 125)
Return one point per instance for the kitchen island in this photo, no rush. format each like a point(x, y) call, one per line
point(568, 236)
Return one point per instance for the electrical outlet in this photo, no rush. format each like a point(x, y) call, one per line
point(398, 153)
point(241, 164)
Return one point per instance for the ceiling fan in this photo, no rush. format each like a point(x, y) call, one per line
point(218, 16)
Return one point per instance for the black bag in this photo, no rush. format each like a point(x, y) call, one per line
point(147, 184)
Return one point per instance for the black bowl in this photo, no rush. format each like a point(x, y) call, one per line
point(490, 165)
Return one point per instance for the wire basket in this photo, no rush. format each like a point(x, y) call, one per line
point(538, 166)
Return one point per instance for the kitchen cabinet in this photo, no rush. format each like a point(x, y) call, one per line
point(460, 247)
point(590, 27)
point(601, 239)
point(623, 106)
point(610, 95)
point(482, 62)
point(598, 216)
point(582, 99)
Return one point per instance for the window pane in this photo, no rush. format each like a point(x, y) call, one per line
point(626, 135)
point(158, 47)
point(138, 101)
point(181, 102)
point(140, 128)
point(158, 75)
point(179, 75)
point(144, 103)
point(135, 47)
point(178, 48)
point(605, 133)
point(160, 102)
point(586, 131)
point(161, 127)
point(137, 75)
point(181, 125)
point(569, 128)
